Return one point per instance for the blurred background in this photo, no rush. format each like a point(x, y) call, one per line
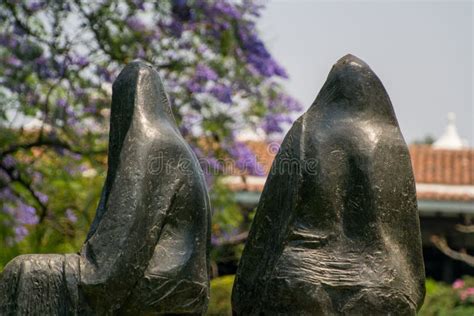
point(238, 73)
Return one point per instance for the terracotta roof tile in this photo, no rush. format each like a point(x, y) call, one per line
point(442, 166)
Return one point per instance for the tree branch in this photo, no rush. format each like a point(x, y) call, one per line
point(51, 143)
point(468, 229)
point(442, 245)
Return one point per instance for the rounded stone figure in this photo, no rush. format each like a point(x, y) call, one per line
point(336, 230)
point(147, 249)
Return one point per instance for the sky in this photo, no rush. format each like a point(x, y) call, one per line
point(422, 52)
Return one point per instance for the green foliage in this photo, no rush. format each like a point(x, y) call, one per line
point(221, 291)
point(446, 300)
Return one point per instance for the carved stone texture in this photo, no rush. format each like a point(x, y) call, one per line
point(336, 230)
point(147, 251)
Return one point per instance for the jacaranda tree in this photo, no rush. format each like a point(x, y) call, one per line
point(58, 60)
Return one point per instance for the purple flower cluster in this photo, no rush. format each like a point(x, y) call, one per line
point(205, 73)
point(245, 159)
point(21, 214)
point(34, 6)
point(135, 24)
point(80, 60)
point(257, 54)
point(8, 161)
point(139, 4)
point(273, 122)
point(71, 216)
point(284, 102)
point(14, 61)
point(104, 73)
point(222, 93)
point(204, 166)
point(224, 8)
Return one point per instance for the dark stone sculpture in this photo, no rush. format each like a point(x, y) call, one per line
point(336, 230)
point(147, 249)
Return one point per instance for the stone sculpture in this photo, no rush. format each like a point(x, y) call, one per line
point(147, 249)
point(336, 230)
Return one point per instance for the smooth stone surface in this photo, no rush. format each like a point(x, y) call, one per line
point(147, 249)
point(336, 230)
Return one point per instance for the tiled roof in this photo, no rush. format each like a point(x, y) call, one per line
point(448, 173)
point(442, 166)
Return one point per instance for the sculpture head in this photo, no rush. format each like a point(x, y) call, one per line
point(352, 86)
point(138, 100)
point(138, 93)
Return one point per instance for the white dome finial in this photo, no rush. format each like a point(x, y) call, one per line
point(450, 138)
point(451, 118)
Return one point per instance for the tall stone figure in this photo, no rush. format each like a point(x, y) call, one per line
point(147, 249)
point(336, 230)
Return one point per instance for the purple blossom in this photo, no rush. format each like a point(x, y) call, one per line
point(222, 93)
point(176, 28)
point(245, 159)
point(257, 54)
point(140, 53)
point(155, 34)
point(91, 108)
point(272, 123)
point(81, 61)
point(8, 41)
point(104, 73)
point(42, 69)
point(227, 9)
point(284, 103)
point(79, 92)
point(26, 214)
point(252, 7)
point(13, 61)
point(35, 5)
point(6, 194)
point(135, 24)
point(204, 72)
point(62, 103)
point(71, 216)
point(194, 86)
point(42, 197)
point(197, 151)
point(214, 240)
point(214, 164)
point(20, 233)
point(9, 161)
point(140, 4)
point(291, 104)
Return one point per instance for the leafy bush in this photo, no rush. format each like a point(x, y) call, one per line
point(221, 290)
point(443, 299)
